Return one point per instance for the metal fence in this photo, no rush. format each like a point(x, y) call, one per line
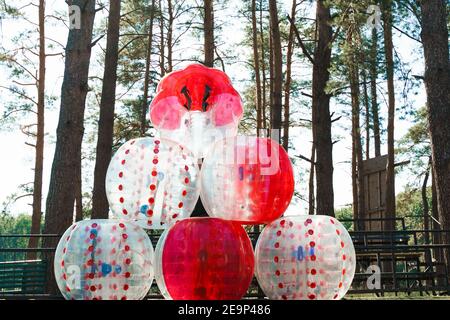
point(406, 261)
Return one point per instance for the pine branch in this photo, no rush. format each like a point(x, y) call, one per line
point(300, 41)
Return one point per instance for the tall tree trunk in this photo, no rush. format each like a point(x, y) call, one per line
point(147, 76)
point(287, 84)
point(438, 253)
point(263, 68)
point(61, 194)
point(311, 197)
point(162, 57)
point(39, 149)
point(434, 209)
point(426, 219)
point(355, 206)
point(276, 107)
point(79, 193)
point(209, 46)
point(437, 80)
point(390, 169)
point(367, 111)
point(356, 135)
point(321, 112)
point(271, 83)
point(257, 71)
point(373, 92)
point(209, 33)
point(170, 36)
point(100, 206)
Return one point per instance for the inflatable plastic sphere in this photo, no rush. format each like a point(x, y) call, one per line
point(305, 257)
point(247, 179)
point(204, 259)
point(152, 182)
point(104, 260)
point(195, 107)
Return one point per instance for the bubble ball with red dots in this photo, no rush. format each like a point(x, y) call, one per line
point(152, 182)
point(155, 183)
point(104, 260)
point(305, 257)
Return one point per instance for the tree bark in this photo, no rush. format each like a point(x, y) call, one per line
point(367, 111)
point(79, 194)
point(390, 169)
point(263, 68)
point(426, 220)
point(277, 60)
point(321, 112)
point(271, 82)
point(170, 36)
point(40, 134)
point(373, 92)
point(257, 71)
point(287, 84)
point(147, 76)
point(61, 194)
point(438, 253)
point(311, 197)
point(437, 81)
point(355, 206)
point(356, 135)
point(162, 59)
point(100, 205)
point(209, 45)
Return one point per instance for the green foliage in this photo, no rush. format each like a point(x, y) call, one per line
point(15, 225)
point(345, 213)
point(307, 29)
point(10, 225)
point(133, 47)
point(410, 207)
point(7, 10)
point(127, 122)
point(416, 146)
point(20, 58)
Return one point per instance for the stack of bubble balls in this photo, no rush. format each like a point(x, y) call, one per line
point(155, 183)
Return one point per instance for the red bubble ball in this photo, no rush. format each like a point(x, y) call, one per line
point(204, 259)
point(247, 179)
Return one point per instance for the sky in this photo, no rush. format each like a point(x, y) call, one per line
point(17, 159)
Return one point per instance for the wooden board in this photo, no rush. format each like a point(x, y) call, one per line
point(374, 171)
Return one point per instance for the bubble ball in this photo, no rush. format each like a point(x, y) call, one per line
point(104, 260)
point(247, 179)
point(204, 259)
point(305, 257)
point(195, 107)
point(152, 183)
